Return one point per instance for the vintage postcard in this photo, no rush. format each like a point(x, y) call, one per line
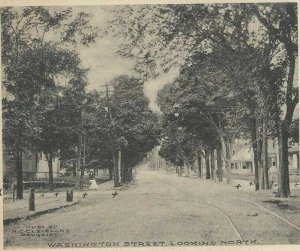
point(137, 125)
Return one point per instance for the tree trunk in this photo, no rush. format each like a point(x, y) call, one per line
point(50, 166)
point(207, 165)
point(261, 171)
point(283, 129)
point(219, 164)
point(199, 162)
point(265, 156)
point(124, 173)
point(129, 174)
point(212, 163)
point(283, 172)
point(116, 173)
point(180, 171)
point(124, 170)
point(227, 157)
point(79, 154)
point(110, 173)
point(256, 165)
point(19, 168)
point(74, 169)
point(225, 146)
point(120, 165)
point(187, 168)
point(228, 162)
point(253, 129)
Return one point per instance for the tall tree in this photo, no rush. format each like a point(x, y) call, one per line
point(280, 23)
point(161, 37)
point(135, 125)
point(27, 32)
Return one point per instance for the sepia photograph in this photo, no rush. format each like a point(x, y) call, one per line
point(159, 125)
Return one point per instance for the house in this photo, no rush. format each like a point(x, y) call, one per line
point(35, 166)
point(294, 157)
point(242, 159)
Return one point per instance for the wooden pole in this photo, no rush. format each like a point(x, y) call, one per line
point(69, 195)
point(112, 140)
point(31, 200)
point(119, 165)
point(79, 160)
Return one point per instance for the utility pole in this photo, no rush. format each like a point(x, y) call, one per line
point(84, 148)
point(112, 139)
point(178, 149)
point(119, 165)
point(79, 160)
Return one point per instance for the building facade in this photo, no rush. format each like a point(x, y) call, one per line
point(242, 158)
point(34, 165)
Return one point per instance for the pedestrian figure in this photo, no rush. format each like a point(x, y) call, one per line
point(93, 185)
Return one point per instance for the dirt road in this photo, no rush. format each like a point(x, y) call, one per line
point(158, 210)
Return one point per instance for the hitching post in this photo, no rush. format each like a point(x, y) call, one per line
point(69, 195)
point(31, 200)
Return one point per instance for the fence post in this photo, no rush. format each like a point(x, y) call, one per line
point(69, 195)
point(31, 200)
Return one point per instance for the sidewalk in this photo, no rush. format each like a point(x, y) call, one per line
point(245, 184)
point(14, 211)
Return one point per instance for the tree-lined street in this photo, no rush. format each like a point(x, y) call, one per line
point(203, 95)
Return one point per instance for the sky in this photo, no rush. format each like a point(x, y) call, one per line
point(101, 57)
point(104, 63)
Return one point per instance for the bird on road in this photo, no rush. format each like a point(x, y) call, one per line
point(56, 194)
point(114, 194)
point(238, 186)
point(251, 183)
point(85, 194)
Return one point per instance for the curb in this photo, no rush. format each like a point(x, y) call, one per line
point(9, 221)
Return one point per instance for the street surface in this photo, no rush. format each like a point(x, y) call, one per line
point(162, 210)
